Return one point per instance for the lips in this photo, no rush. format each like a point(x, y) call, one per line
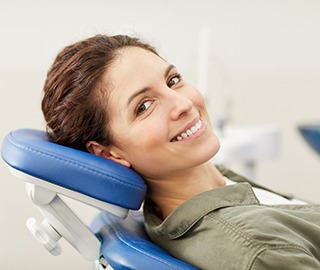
point(188, 131)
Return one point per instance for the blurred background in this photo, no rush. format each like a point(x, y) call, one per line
point(257, 62)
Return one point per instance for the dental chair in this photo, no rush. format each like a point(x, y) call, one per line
point(116, 237)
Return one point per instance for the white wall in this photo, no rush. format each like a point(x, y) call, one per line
point(264, 55)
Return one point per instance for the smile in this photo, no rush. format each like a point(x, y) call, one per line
point(194, 129)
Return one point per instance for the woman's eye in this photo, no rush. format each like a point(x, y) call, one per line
point(143, 106)
point(174, 80)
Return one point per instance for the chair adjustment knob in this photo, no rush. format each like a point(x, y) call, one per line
point(45, 234)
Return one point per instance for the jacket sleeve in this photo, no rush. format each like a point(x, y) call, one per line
point(285, 259)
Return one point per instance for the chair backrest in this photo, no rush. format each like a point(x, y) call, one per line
point(126, 246)
point(52, 169)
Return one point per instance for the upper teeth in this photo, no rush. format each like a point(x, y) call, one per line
point(190, 131)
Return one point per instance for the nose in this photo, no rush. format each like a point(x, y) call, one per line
point(180, 105)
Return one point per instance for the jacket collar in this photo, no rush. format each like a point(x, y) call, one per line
point(191, 211)
point(239, 178)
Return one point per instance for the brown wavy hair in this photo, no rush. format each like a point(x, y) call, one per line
point(75, 97)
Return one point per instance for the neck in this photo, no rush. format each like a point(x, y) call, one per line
point(169, 192)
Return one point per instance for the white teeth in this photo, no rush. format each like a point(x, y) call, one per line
point(194, 129)
point(184, 135)
point(190, 131)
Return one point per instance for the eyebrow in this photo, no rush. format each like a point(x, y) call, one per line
point(146, 89)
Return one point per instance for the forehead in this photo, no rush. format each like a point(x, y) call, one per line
point(134, 68)
point(133, 61)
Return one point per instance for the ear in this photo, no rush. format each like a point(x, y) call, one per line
point(106, 152)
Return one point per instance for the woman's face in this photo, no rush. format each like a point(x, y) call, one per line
point(159, 122)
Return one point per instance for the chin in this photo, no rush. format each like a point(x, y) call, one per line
point(209, 150)
point(215, 149)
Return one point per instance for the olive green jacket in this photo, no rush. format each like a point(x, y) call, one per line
point(228, 229)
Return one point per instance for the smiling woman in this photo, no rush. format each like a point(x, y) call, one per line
point(149, 105)
point(115, 97)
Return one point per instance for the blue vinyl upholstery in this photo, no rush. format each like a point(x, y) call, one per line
point(124, 242)
point(126, 246)
point(30, 151)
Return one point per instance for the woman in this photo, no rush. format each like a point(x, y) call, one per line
point(115, 97)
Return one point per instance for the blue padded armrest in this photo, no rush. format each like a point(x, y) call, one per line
point(125, 244)
point(30, 152)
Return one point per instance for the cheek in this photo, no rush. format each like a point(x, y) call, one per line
point(146, 151)
point(151, 133)
point(142, 137)
point(195, 96)
point(198, 100)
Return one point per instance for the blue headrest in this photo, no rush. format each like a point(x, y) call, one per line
point(30, 152)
